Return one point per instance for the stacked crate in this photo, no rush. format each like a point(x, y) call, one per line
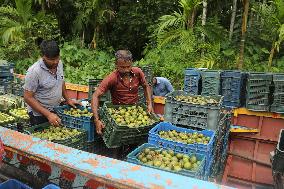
point(258, 91)
point(278, 100)
point(191, 81)
point(193, 115)
point(233, 88)
point(210, 82)
point(6, 77)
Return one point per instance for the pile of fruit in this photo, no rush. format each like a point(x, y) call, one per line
point(200, 100)
point(187, 138)
point(5, 119)
point(131, 116)
point(10, 101)
point(21, 113)
point(168, 160)
point(78, 112)
point(57, 133)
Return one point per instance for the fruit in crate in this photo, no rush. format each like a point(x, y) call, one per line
point(183, 137)
point(197, 100)
point(5, 118)
point(56, 133)
point(78, 112)
point(21, 113)
point(131, 116)
point(10, 101)
point(168, 159)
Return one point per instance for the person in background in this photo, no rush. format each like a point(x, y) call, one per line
point(44, 86)
point(123, 84)
point(162, 86)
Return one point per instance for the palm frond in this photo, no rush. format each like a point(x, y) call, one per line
point(24, 8)
point(168, 22)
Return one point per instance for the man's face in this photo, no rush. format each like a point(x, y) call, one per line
point(154, 81)
point(51, 63)
point(123, 66)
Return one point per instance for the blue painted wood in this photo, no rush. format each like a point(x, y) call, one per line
point(95, 166)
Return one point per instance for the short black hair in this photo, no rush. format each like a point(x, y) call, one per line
point(50, 49)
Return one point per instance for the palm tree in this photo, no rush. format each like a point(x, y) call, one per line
point(243, 35)
point(14, 22)
point(91, 13)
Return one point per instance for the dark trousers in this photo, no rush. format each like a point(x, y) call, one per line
point(36, 120)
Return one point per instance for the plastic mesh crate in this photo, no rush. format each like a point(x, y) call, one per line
point(205, 149)
point(211, 83)
point(117, 135)
point(93, 84)
point(82, 122)
point(77, 141)
point(13, 184)
point(233, 88)
point(192, 115)
point(191, 81)
point(133, 158)
point(278, 103)
point(258, 91)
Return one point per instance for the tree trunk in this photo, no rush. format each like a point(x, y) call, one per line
point(83, 38)
point(243, 36)
point(272, 51)
point(234, 10)
point(204, 14)
point(191, 23)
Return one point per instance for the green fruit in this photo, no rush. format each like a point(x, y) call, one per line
point(193, 159)
point(157, 163)
point(187, 165)
point(177, 168)
point(179, 156)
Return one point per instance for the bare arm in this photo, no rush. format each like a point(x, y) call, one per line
point(31, 101)
point(95, 107)
point(147, 93)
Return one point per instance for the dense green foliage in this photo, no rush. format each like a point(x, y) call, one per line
point(171, 35)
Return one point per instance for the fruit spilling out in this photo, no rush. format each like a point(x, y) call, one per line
point(56, 133)
point(168, 160)
point(21, 113)
point(78, 112)
point(5, 118)
point(197, 100)
point(131, 116)
point(187, 138)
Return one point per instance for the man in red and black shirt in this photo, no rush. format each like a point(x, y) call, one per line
point(123, 84)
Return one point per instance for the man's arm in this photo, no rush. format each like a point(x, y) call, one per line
point(67, 99)
point(31, 101)
point(147, 93)
point(101, 90)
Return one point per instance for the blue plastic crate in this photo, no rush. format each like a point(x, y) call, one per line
point(155, 139)
point(13, 184)
point(132, 158)
point(191, 80)
point(51, 186)
point(86, 123)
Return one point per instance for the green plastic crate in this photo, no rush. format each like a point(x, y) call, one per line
point(115, 135)
point(77, 141)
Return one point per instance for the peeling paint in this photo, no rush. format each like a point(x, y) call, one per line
point(103, 171)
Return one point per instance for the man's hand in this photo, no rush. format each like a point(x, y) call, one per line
point(73, 103)
point(54, 120)
point(99, 126)
point(150, 108)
